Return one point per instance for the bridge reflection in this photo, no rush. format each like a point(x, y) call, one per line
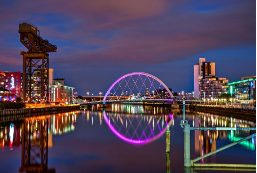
point(138, 129)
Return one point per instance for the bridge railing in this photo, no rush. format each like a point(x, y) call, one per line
point(191, 163)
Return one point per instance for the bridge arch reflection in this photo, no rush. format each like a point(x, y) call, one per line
point(140, 135)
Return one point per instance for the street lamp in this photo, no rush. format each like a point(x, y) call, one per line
point(87, 93)
point(100, 93)
point(204, 96)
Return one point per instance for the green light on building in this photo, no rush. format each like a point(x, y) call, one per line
point(241, 81)
point(231, 90)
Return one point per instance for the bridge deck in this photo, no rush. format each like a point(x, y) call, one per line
point(130, 101)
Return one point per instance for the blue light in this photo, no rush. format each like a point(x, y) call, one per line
point(253, 141)
point(251, 84)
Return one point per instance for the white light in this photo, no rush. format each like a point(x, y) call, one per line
point(11, 132)
point(12, 83)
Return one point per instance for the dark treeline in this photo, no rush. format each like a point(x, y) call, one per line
point(11, 105)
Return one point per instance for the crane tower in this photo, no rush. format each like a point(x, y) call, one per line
point(35, 64)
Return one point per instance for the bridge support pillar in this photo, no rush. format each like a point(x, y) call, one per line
point(187, 162)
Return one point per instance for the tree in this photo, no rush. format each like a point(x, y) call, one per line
point(226, 96)
point(80, 97)
point(175, 94)
point(18, 100)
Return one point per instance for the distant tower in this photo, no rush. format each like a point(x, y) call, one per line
point(35, 60)
point(202, 70)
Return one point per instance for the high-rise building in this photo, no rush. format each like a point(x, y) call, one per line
point(206, 84)
point(51, 76)
point(11, 81)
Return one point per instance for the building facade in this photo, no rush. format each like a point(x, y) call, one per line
point(244, 89)
point(206, 84)
point(60, 93)
point(11, 81)
point(6, 95)
point(212, 86)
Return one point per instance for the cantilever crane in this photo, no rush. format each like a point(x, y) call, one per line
point(35, 64)
point(30, 38)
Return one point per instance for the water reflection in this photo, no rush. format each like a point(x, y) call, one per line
point(168, 150)
point(34, 156)
point(35, 136)
point(11, 133)
point(206, 141)
point(130, 123)
point(136, 129)
point(137, 109)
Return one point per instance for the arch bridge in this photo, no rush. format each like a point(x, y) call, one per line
point(136, 87)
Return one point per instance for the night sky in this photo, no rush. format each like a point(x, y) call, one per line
point(100, 40)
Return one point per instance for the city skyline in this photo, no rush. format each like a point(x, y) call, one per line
point(99, 42)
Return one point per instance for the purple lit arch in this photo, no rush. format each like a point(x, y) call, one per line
point(137, 73)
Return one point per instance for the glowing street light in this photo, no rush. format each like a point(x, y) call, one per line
point(100, 93)
point(87, 93)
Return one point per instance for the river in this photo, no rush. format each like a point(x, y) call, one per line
point(125, 138)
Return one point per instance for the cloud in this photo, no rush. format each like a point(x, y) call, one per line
point(131, 32)
point(10, 56)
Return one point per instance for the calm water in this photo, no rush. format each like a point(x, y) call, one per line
point(126, 139)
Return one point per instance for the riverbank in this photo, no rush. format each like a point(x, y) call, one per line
point(11, 105)
point(226, 111)
point(37, 110)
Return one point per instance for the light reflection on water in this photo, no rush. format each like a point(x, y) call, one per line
point(133, 124)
